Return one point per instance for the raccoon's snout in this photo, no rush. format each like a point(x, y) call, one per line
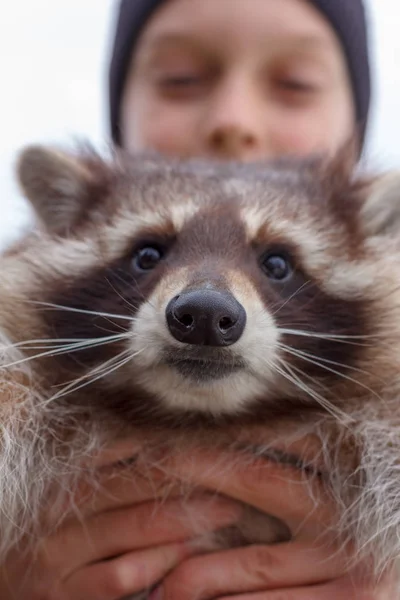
point(206, 318)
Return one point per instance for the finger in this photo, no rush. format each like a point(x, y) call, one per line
point(124, 575)
point(342, 589)
point(150, 524)
point(122, 476)
point(122, 489)
point(282, 491)
point(121, 450)
point(252, 569)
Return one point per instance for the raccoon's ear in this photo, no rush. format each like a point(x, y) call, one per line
point(59, 185)
point(337, 171)
point(380, 212)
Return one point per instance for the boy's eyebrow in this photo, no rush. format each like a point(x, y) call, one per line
point(295, 40)
point(307, 42)
point(157, 41)
point(153, 45)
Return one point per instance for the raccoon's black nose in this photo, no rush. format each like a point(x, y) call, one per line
point(206, 318)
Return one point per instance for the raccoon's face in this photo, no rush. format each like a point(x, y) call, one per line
point(181, 288)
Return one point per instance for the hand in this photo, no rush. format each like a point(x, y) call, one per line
point(125, 542)
point(310, 567)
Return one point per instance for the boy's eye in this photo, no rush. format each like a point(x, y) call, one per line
point(296, 85)
point(183, 86)
point(296, 78)
point(180, 80)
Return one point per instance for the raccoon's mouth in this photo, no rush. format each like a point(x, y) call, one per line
point(204, 366)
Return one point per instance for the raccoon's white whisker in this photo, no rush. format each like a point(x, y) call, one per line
point(290, 298)
point(111, 331)
point(310, 378)
point(99, 368)
point(100, 372)
point(125, 300)
point(142, 296)
point(331, 408)
point(103, 374)
point(313, 360)
point(316, 362)
point(90, 343)
point(287, 372)
point(292, 378)
point(326, 336)
point(120, 326)
point(57, 342)
point(94, 313)
point(325, 360)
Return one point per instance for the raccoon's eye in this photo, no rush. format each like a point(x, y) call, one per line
point(277, 266)
point(147, 258)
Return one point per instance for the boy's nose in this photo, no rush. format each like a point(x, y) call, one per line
point(235, 121)
point(234, 141)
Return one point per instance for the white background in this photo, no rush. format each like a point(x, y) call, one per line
point(53, 60)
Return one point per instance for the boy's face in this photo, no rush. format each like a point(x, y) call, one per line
point(244, 79)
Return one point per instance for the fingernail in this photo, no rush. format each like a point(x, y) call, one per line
point(157, 593)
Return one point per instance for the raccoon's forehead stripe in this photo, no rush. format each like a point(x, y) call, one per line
point(166, 215)
point(181, 213)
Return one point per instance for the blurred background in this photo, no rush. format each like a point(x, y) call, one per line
point(53, 58)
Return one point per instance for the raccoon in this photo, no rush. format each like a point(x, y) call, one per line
point(229, 304)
